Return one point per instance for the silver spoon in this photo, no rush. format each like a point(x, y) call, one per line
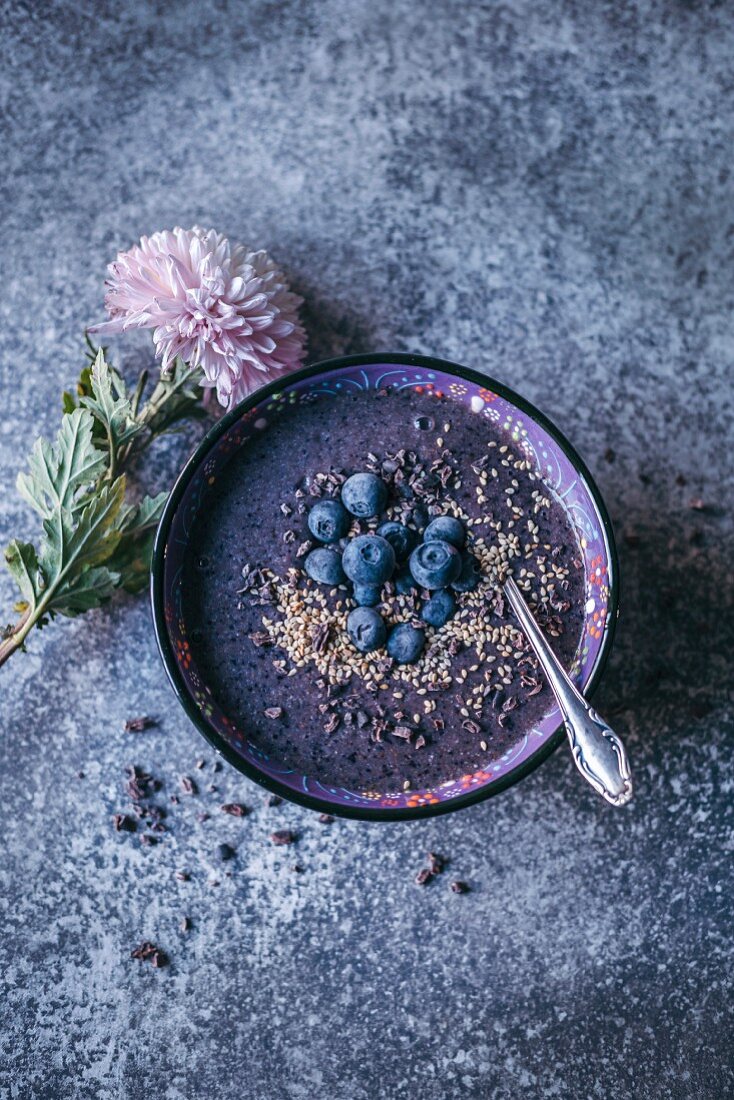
point(599, 754)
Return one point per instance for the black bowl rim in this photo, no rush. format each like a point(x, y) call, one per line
point(303, 798)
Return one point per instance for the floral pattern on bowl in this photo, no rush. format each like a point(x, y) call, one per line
point(550, 454)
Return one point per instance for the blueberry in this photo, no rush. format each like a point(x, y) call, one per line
point(366, 629)
point(468, 578)
point(435, 564)
point(364, 495)
point(439, 609)
point(404, 583)
point(405, 643)
point(446, 528)
point(400, 537)
point(368, 559)
point(329, 521)
point(324, 566)
point(367, 595)
point(420, 516)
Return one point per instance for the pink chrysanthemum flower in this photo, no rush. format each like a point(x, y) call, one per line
point(218, 306)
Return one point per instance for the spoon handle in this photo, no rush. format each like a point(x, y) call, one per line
point(599, 754)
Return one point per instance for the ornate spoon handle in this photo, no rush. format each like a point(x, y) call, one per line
point(599, 754)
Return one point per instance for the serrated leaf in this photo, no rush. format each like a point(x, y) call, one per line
point(174, 398)
point(91, 589)
point(22, 564)
point(57, 471)
point(133, 554)
point(70, 399)
point(84, 385)
point(137, 518)
point(70, 547)
point(132, 560)
point(110, 405)
point(83, 388)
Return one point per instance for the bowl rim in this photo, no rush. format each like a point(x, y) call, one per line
point(165, 647)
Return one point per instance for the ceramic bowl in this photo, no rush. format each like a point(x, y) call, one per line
point(550, 453)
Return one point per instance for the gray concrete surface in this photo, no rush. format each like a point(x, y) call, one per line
point(541, 190)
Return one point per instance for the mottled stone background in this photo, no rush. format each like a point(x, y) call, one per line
point(542, 190)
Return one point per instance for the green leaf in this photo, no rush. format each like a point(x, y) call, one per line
point(70, 547)
point(91, 589)
point(132, 560)
point(132, 556)
point(174, 398)
point(137, 518)
point(110, 405)
point(57, 471)
point(83, 388)
point(22, 564)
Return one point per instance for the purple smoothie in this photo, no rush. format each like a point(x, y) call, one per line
point(273, 647)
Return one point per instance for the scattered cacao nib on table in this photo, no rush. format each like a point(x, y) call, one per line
point(141, 786)
point(283, 836)
point(436, 863)
point(137, 725)
point(435, 866)
point(148, 952)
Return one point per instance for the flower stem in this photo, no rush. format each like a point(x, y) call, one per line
point(17, 637)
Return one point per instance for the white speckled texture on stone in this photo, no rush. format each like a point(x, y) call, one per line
point(540, 190)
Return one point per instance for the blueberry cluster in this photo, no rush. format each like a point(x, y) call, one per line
point(437, 562)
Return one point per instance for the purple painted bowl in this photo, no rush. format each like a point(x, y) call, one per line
point(551, 454)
